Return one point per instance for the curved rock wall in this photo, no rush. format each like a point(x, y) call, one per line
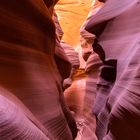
point(118, 86)
point(29, 74)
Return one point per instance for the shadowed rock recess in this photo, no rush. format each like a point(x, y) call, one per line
point(69, 70)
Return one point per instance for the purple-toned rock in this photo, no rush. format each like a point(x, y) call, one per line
point(29, 73)
point(117, 45)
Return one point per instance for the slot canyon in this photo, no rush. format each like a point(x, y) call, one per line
point(69, 70)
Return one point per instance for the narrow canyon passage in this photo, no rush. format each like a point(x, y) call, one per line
point(80, 103)
point(69, 70)
point(80, 96)
point(106, 90)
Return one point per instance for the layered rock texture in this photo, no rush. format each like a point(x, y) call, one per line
point(48, 92)
point(31, 101)
point(117, 44)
